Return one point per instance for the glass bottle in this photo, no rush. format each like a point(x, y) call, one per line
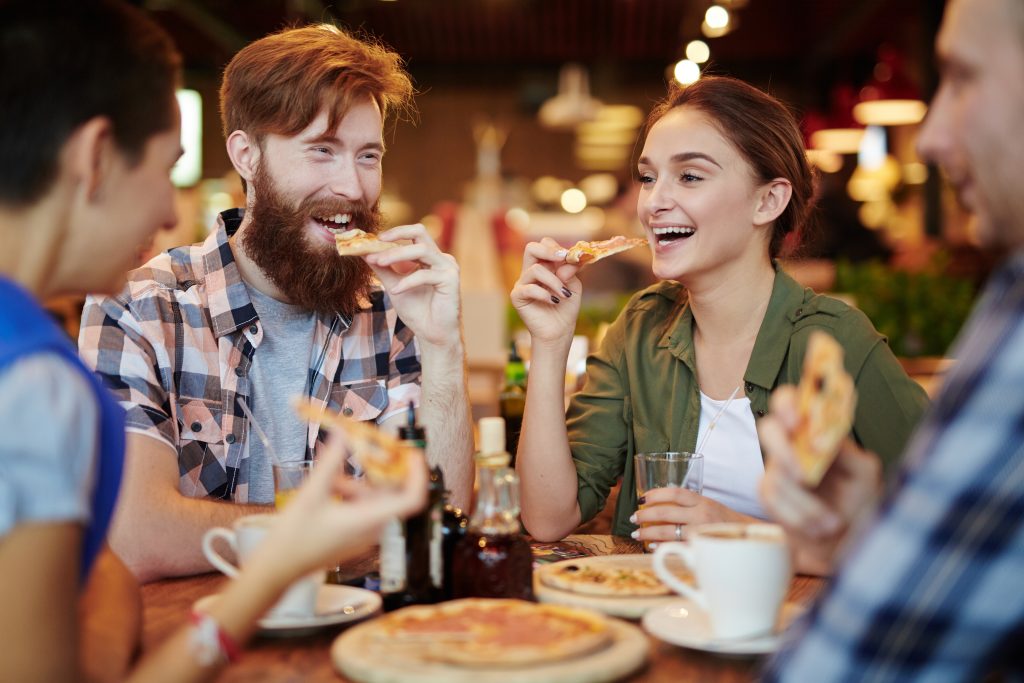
point(411, 570)
point(454, 524)
point(512, 401)
point(494, 560)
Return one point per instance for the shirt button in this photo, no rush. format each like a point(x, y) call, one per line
point(196, 427)
point(346, 411)
point(254, 329)
point(798, 312)
point(239, 371)
point(230, 438)
point(762, 413)
point(749, 386)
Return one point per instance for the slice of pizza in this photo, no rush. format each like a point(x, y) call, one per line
point(826, 403)
point(382, 457)
point(589, 252)
point(356, 242)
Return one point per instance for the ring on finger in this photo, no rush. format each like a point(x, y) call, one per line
point(679, 532)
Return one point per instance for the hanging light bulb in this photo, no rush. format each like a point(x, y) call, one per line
point(686, 72)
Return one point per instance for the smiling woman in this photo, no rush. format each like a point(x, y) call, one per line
point(723, 184)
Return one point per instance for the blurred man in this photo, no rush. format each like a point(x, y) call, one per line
point(265, 311)
point(932, 591)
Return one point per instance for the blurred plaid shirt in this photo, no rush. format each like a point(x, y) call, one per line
point(935, 590)
point(176, 345)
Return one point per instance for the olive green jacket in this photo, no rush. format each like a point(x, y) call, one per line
point(641, 393)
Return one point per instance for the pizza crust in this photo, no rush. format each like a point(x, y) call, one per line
point(826, 403)
point(382, 457)
point(583, 253)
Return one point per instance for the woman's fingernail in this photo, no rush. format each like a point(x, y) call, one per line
point(566, 292)
point(635, 535)
point(632, 518)
point(561, 253)
point(555, 299)
point(652, 546)
point(641, 500)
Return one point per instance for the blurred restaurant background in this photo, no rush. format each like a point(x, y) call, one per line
point(528, 119)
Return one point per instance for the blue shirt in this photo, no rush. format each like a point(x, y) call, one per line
point(935, 590)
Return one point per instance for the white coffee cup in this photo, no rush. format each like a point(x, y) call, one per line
point(743, 573)
point(243, 537)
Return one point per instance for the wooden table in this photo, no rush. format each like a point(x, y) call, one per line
point(166, 604)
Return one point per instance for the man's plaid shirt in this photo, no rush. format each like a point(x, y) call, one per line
point(935, 591)
point(177, 343)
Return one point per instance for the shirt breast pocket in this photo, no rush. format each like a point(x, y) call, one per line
point(363, 401)
point(202, 443)
point(648, 439)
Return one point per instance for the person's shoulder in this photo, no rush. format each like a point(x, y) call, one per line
point(846, 323)
point(175, 270)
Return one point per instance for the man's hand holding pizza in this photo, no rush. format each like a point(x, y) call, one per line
point(423, 284)
point(818, 519)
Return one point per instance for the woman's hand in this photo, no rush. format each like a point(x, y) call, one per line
point(334, 517)
point(547, 293)
point(668, 509)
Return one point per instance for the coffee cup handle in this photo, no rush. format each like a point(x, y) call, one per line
point(685, 553)
point(213, 556)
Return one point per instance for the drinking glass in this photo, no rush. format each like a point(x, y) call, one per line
point(288, 477)
point(673, 468)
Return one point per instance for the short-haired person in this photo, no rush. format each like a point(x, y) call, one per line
point(932, 590)
point(89, 132)
point(265, 310)
point(724, 181)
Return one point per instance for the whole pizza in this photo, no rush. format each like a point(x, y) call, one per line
point(603, 579)
point(477, 632)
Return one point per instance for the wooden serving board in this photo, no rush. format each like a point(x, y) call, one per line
point(361, 656)
point(627, 607)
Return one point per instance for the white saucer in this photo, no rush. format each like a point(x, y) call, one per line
point(334, 605)
point(680, 622)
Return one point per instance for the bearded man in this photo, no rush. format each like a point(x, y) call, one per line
point(265, 310)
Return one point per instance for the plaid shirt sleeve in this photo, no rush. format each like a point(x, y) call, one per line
point(112, 341)
point(934, 591)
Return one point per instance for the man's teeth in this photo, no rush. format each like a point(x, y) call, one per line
point(340, 219)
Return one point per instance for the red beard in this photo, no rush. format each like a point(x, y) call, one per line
point(312, 276)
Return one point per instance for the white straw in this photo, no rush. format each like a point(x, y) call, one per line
point(259, 432)
point(714, 420)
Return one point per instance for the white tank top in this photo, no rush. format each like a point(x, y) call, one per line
point(733, 466)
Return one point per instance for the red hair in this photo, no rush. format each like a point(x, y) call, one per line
point(280, 83)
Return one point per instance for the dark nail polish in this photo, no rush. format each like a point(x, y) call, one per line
point(641, 500)
point(566, 292)
point(555, 299)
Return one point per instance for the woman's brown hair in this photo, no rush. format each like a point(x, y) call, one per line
point(765, 133)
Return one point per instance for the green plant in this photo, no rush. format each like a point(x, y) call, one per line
point(920, 312)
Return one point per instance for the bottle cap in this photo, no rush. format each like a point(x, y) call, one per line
point(492, 435)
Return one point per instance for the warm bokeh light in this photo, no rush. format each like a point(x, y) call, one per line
point(573, 200)
point(189, 168)
point(518, 219)
point(890, 112)
point(698, 51)
point(825, 161)
point(717, 17)
point(686, 72)
point(838, 140)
